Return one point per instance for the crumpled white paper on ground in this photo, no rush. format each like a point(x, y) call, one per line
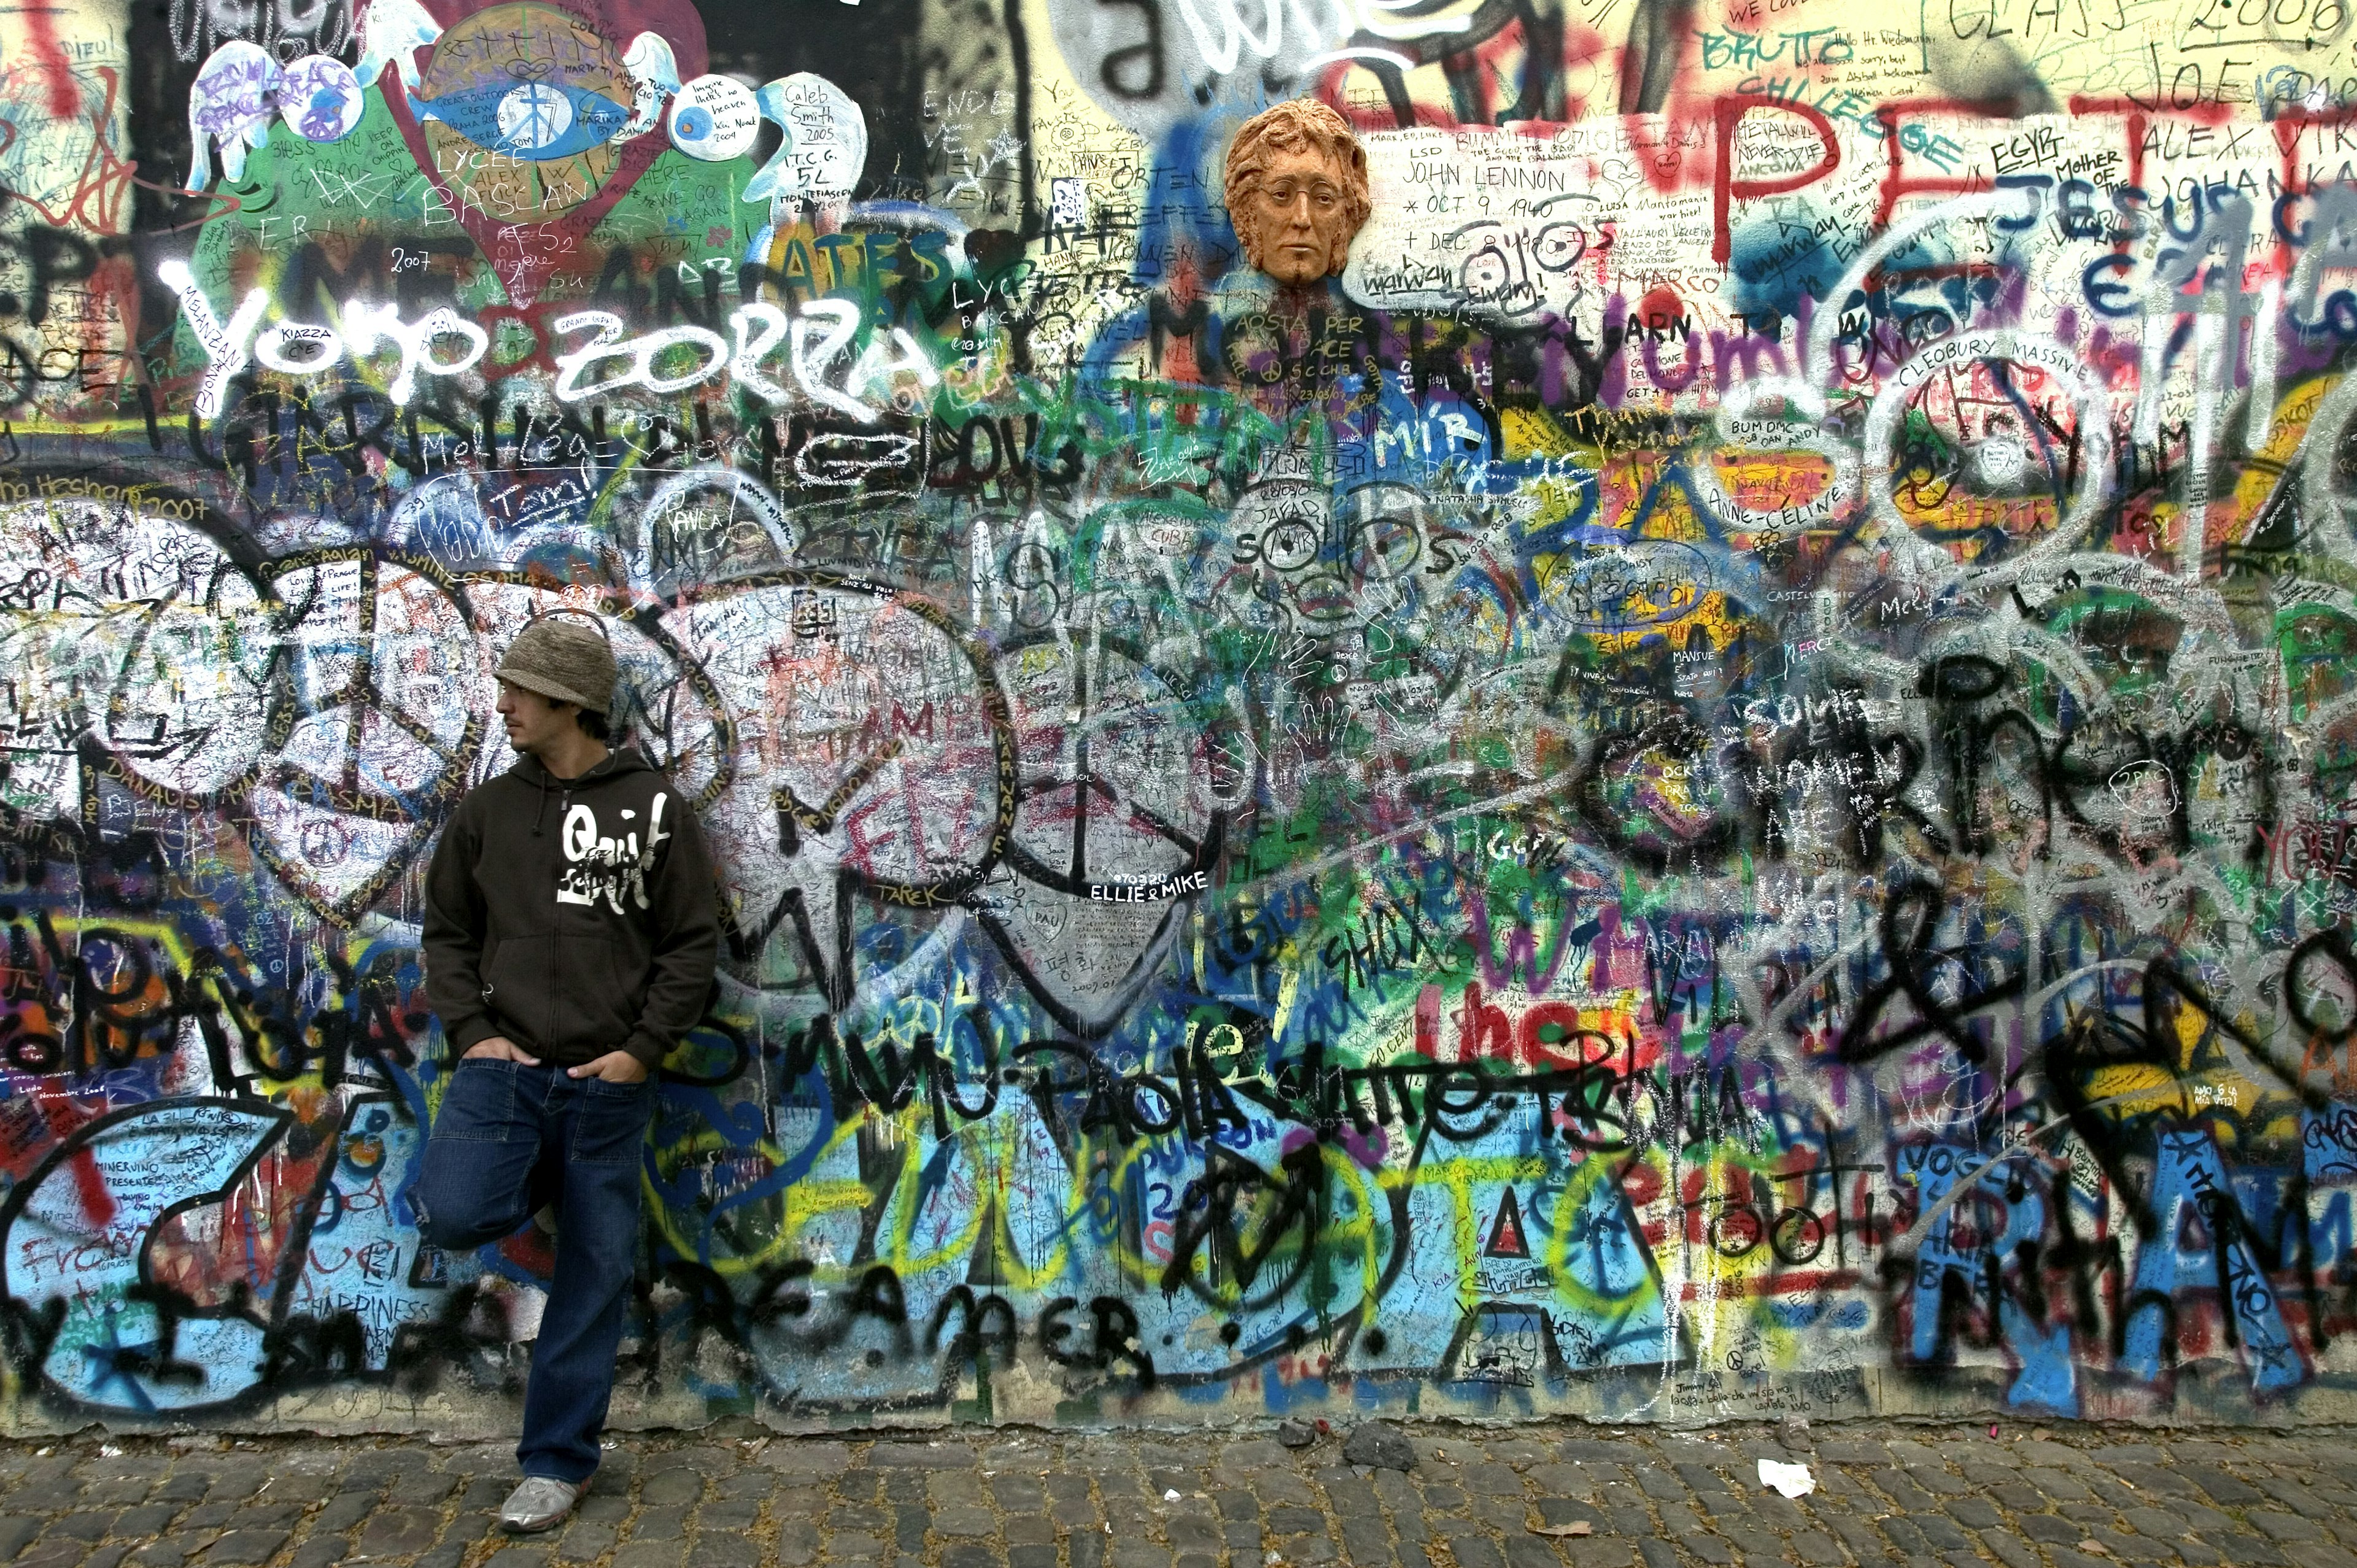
point(1793, 1480)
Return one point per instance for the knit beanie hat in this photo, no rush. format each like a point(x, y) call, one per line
point(565, 659)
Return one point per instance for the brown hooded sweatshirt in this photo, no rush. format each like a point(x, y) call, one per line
point(573, 915)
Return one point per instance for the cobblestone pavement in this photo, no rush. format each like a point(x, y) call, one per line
point(1475, 1497)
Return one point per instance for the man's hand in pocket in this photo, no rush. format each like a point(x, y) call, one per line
point(500, 1048)
point(614, 1067)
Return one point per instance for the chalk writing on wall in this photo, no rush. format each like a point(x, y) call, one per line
point(1721, 781)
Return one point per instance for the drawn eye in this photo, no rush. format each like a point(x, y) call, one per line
point(1486, 271)
point(1386, 547)
point(541, 121)
point(1290, 545)
point(1560, 246)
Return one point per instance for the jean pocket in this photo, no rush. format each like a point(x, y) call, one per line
point(609, 1124)
point(479, 1105)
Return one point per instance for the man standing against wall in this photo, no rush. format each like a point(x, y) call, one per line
point(570, 939)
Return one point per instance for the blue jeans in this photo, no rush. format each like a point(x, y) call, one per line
point(503, 1122)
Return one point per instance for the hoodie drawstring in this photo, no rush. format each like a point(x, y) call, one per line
point(540, 774)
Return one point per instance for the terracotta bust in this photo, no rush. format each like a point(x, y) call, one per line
point(1297, 190)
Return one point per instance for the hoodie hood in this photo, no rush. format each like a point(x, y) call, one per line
point(620, 760)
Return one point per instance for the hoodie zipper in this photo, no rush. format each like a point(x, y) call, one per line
point(556, 969)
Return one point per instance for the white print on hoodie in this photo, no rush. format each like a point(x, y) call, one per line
point(606, 867)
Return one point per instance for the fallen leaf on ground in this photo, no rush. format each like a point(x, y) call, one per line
point(1577, 1527)
point(2097, 1547)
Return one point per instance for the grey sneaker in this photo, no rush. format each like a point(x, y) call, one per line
point(539, 1502)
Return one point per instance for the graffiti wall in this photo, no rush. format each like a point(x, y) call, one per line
point(1722, 782)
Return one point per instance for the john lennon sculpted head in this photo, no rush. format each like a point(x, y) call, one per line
point(1297, 190)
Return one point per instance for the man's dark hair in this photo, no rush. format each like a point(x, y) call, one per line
point(596, 725)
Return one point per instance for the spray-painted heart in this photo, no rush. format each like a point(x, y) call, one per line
point(524, 118)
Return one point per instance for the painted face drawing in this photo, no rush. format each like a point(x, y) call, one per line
point(1333, 562)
